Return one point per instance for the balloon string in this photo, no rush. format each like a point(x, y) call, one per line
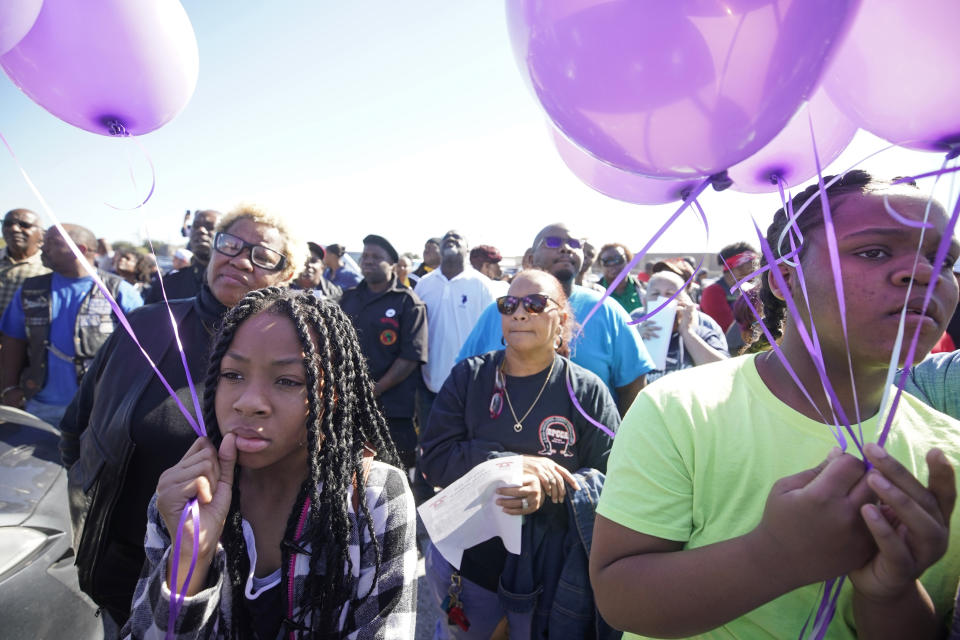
point(118, 130)
point(639, 256)
point(706, 227)
point(945, 242)
point(176, 602)
point(92, 272)
point(199, 428)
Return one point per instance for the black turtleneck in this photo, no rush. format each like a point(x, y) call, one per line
point(159, 431)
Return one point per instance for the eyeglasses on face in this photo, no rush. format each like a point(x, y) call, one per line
point(555, 242)
point(533, 303)
point(614, 261)
point(261, 256)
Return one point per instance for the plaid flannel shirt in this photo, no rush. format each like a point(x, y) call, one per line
point(12, 275)
point(387, 613)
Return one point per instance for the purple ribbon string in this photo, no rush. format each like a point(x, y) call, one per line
point(121, 132)
point(945, 241)
point(197, 425)
point(176, 602)
point(639, 256)
point(650, 314)
point(576, 404)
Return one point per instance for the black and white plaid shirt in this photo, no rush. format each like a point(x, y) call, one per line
point(387, 613)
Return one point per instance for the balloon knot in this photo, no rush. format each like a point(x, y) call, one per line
point(954, 152)
point(720, 181)
point(115, 127)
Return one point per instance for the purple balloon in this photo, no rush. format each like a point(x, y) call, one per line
point(617, 183)
point(108, 65)
point(895, 74)
point(790, 154)
point(674, 89)
point(16, 19)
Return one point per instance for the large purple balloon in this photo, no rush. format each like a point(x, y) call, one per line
point(790, 155)
point(617, 183)
point(98, 64)
point(677, 88)
point(896, 75)
point(16, 18)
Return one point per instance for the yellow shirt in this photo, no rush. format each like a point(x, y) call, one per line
point(697, 454)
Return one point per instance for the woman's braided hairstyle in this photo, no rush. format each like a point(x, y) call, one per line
point(342, 419)
point(856, 181)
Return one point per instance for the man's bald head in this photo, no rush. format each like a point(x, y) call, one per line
point(57, 253)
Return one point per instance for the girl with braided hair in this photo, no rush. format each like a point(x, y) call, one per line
point(721, 517)
point(316, 524)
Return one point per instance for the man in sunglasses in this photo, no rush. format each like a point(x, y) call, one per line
point(607, 345)
point(21, 257)
point(186, 283)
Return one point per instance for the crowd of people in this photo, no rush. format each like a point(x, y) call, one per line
point(699, 494)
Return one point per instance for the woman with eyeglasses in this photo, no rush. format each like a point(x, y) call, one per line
point(517, 401)
point(123, 429)
point(629, 293)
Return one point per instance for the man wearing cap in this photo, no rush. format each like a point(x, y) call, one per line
point(311, 278)
point(486, 259)
point(737, 261)
point(391, 323)
point(182, 258)
point(186, 283)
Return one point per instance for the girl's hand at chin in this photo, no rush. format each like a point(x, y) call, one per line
point(207, 475)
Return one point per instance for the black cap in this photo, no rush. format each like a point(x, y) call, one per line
point(317, 249)
point(384, 244)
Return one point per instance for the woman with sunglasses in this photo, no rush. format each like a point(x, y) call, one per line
point(517, 401)
point(123, 429)
point(629, 293)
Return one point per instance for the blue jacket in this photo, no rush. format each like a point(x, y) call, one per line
point(551, 577)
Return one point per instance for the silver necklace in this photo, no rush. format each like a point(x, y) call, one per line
point(518, 422)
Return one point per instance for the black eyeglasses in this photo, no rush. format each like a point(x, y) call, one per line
point(261, 256)
point(555, 242)
point(613, 262)
point(533, 303)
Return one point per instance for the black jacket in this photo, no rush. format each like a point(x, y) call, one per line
point(96, 444)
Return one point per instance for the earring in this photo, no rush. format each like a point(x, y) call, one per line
point(503, 341)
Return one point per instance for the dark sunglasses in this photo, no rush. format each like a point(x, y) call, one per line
point(613, 262)
point(533, 303)
point(8, 224)
point(261, 256)
point(555, 242)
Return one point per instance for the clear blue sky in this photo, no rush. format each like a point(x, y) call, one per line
point(404, 119)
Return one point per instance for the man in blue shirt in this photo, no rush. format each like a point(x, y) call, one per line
point(607, 345)
point(54, 326)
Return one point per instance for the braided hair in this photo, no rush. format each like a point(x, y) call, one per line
point(342, 420)
point(856, 181)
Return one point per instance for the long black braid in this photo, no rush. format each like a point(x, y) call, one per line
point(342, 420)
point(856, 181)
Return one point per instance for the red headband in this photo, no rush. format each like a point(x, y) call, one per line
point(747, 257)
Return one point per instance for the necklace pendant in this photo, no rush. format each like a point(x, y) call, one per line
point(518, 427)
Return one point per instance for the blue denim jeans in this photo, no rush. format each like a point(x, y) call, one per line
point(481, 606)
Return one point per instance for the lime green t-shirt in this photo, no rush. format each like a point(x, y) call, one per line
point(699, 450)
